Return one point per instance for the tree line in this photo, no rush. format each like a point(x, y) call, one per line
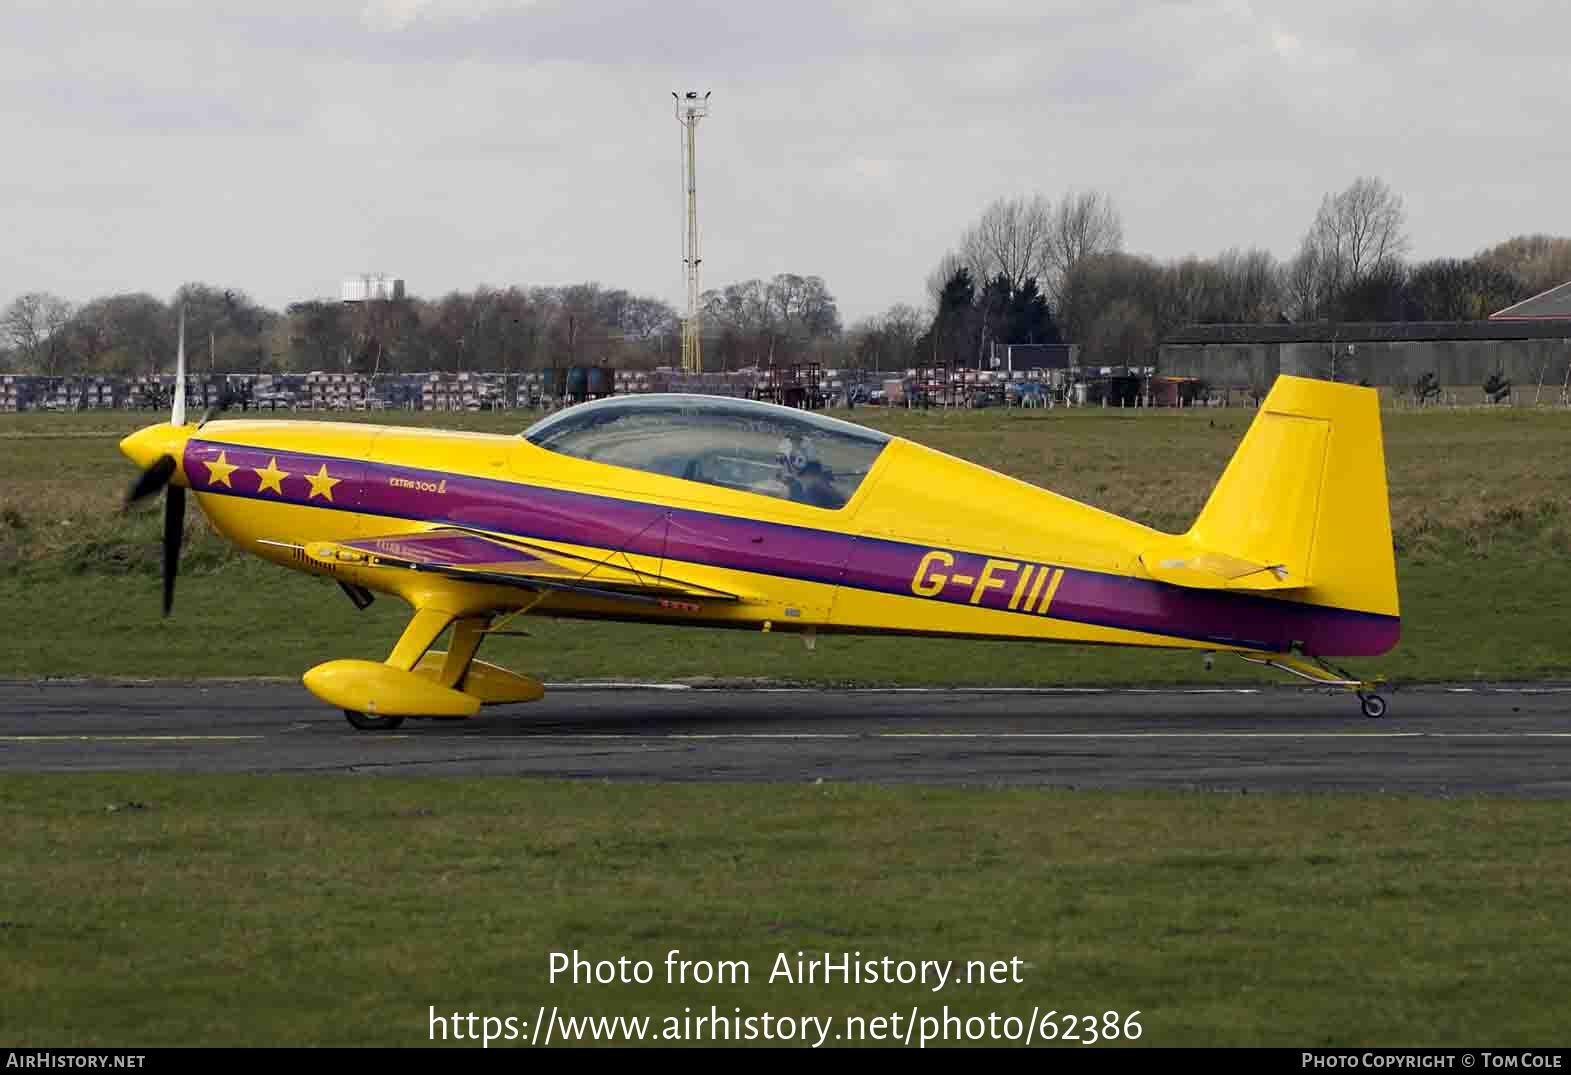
point(1350, 266)
point(788, 318)
point(484, 329)
point(1029, 269)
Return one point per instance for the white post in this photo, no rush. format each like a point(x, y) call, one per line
point(689, 110)
point(177, 414)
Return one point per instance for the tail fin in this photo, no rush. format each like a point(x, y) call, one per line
point(1301, 508)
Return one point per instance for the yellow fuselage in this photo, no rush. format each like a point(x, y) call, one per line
point(928, 544)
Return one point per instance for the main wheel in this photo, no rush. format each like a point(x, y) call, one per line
point(1374, 706)
point(364, 723)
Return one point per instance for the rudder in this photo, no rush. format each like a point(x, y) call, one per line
point(1305, 495)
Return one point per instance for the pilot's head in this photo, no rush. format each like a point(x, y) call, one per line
point(795, 455)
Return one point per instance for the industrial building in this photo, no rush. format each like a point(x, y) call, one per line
point(1551, 305)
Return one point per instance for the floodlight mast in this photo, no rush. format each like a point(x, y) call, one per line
point(690, 108)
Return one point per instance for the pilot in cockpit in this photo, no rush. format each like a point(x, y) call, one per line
point(805, 479)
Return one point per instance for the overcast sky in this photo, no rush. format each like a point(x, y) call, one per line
point(281, 147)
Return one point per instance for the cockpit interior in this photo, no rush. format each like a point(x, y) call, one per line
point(734, 443)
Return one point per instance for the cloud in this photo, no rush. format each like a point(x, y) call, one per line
point(394, 15)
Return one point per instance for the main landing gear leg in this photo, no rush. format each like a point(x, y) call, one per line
point(1374, 705)
point(423, 629)
point(468, 633)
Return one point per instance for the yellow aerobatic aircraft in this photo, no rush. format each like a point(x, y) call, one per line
point(720, 512)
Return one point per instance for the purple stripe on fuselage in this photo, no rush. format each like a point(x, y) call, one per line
point(505, 507)
point(246, 466)
point(454, 550)
point(797, 552)
point(751, 545)
point(1117, 601)
point(1224, 618)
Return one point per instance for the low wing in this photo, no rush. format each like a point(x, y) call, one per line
point(485, 558)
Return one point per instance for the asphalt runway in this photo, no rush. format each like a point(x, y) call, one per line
point(1435, 741)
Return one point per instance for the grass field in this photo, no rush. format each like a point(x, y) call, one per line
point(158, 910)
point(1479, 504)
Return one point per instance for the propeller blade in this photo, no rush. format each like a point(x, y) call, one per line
point(151, 480)
point(174, 531)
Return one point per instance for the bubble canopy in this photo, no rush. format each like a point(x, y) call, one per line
point(733, 443)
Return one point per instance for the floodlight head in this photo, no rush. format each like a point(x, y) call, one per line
point(691, 105)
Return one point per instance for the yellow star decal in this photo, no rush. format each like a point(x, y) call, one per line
point(218, 470)
point(272, 477)
point(321, 484)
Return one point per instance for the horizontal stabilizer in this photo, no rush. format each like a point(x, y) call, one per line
point(1182, 564)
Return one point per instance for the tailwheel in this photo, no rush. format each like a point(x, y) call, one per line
point(1325, 675)
point(363, 722)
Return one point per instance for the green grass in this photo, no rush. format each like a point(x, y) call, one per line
point(1505, 621)
point(1479, 503)
point(180, 910)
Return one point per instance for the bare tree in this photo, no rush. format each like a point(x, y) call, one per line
point(1189, 290)
point(1097, 283)
point(1012, 239)
point(88, 337)
point(141, 330)
point(803, 305)
point(1252, 285)
point(903, 325)
point(1085, 224)
point(34, 324)
point(224, 326)
point(788, 318)
point(887, 341)
point(1356, 235)
point(645, 318)
point(320, 335)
